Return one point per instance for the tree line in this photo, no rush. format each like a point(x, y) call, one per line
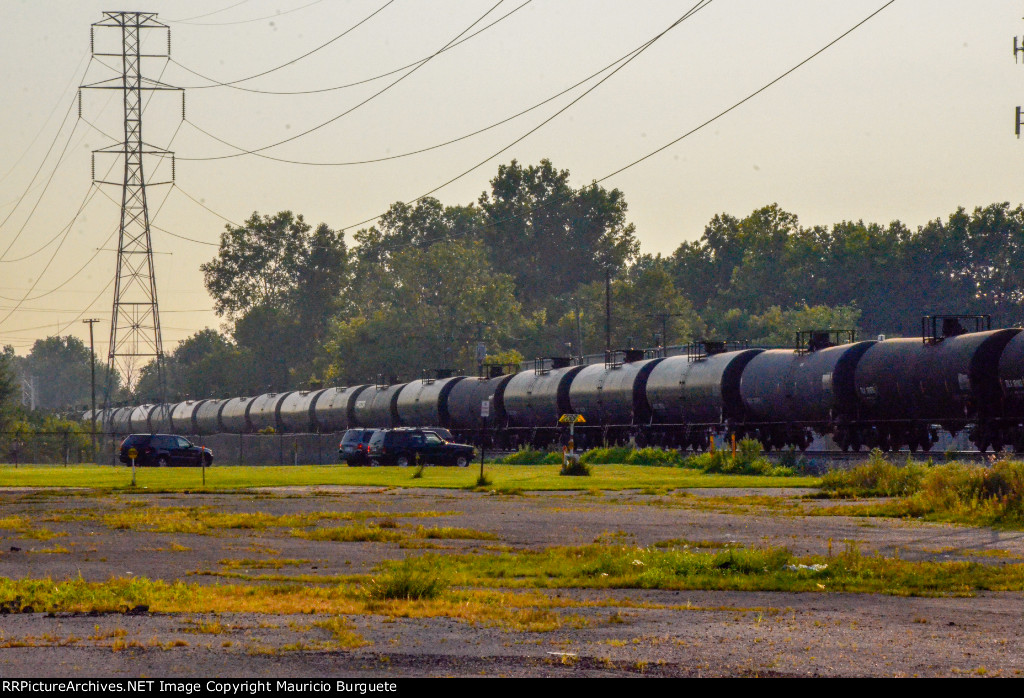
point(524, 270)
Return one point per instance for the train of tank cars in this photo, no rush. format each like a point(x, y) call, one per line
point(889, 394)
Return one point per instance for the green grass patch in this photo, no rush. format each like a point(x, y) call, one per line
point(965, 493)
point(407, 580)
point(503, 477)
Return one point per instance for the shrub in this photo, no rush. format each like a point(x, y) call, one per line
point(575, 467)
point(529, 456)
point(408, 580)
point(876, 478)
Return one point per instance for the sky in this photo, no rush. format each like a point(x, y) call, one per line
point(908, 117)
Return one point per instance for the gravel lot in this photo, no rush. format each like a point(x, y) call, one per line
point(632, 632)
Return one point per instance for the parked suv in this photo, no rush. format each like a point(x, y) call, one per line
point(401, 446)
point(352, 448)
point(163, 450)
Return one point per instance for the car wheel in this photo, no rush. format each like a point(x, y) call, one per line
point(207, 460)
point(162, 462)
point(374, 463)
point(402, 461)
point(461, 461)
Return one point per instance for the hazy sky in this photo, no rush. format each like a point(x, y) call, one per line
point(908, 117)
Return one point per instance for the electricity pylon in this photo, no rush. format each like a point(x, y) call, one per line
point(135, 322)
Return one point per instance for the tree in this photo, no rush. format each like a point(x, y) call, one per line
point(436, 304)
point(206, 365)
point(8, 386)
point(281, 282)
point(550, 237)
point(60, 368)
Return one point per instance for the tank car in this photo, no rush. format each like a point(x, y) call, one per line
point(612, 398)
point(263, 412)
point(207, 417)
point(138, 419)
point(233, 417)
point(159, 420)
point(534, 400)
point(119, 420)
point(791, 395)
point(1011, 381)
point(693, 395)
point(334, 409)
point(183, 416)
point(424, 402)
point(295, 413)
point(375, 407)
point(464, 404)
point(948, 378)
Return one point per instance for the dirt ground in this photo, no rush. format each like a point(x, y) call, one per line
point(632, 632)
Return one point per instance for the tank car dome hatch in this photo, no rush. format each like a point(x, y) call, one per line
point(233, 416)
point(334, 408)
point(375, 406)
point(688, 390)
point(424, 403)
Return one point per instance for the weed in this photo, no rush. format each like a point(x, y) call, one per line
point(483, 481)
point(575, 468)
point(408, 580)
point(343, 633)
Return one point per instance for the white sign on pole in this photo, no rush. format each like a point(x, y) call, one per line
point(485, 408)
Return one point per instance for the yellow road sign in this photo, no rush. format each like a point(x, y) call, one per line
point(571, 419)
point(133, 453)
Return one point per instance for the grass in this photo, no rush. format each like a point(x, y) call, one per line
point(963, 493)
point(503, 477)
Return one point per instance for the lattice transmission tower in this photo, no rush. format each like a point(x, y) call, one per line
point(135, 321)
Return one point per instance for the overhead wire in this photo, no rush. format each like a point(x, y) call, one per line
point(257, 151)
point(244, 22)
point(363, 81)
point(700, 5)
point(207, 14)
point(294, 60)
point(557, 200)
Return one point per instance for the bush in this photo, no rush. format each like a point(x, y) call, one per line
point(876, 478)
point(575, 467)
point(748, 461)
point(529, 456)
point(408, 580)
point(631, 456)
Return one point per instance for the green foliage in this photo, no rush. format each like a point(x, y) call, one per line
point(748, 461)
point(49, 440)
point(529, 456)
point(575, 468)
point(61, 369)
point(876, 478)
point(8, 386)
point(409, 579)
point(632, 456)
point(957, 492)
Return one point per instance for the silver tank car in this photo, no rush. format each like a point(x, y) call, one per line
point(183, 417)
point(234, 416)
point(538, 397)
point(334, 408)
point(138, 419)
point(119, 420)
point(295, 413)
point(703, 391)
point(207, 417)
point(424, 402)
point(466, 397)
point(375, 406)
point(612, 394)
point(160, 419)
point(262, 412)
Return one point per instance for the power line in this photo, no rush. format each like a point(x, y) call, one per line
point(363, 81)
point(208, 14)
point(241, 21)
point(689, 133)
point(294, 60)
point(256, 151)
point(700, 5)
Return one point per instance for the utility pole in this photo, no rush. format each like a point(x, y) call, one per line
point(92, 368)
point(1018, 49)
point(607, 310)
point(135, 318)
point(664, 324)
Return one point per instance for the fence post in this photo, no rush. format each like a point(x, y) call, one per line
point(241, 448)
point(67, 448)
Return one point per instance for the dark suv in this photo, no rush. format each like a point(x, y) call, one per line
point(402, 446)
point(352, 448)
point(163, 450)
